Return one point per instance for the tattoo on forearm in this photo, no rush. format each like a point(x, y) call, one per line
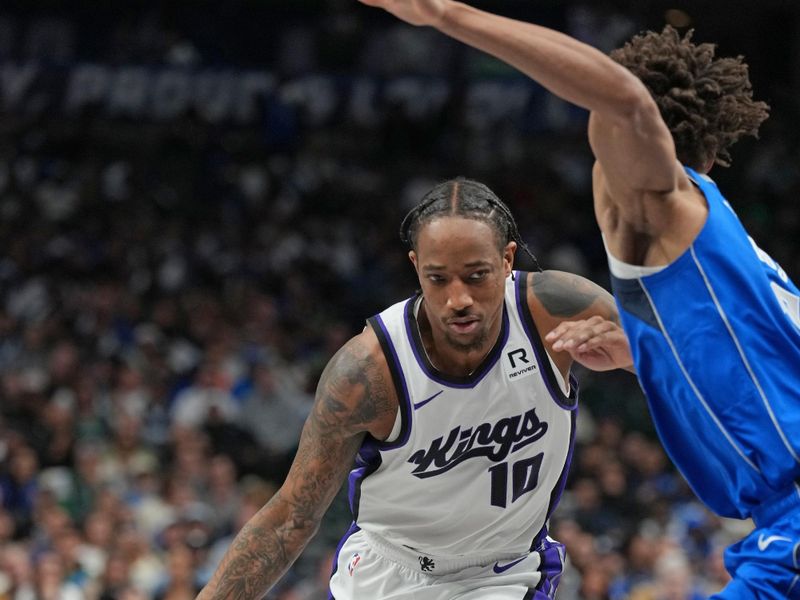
point(258, 558)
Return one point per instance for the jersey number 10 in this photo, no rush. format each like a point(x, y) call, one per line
point(524, 478)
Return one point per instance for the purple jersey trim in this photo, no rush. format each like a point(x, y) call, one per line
point(558, 489)
point(540, 537)
point(368, 460)
point(551, 568)
point(448, 380)
point(529, 326)
point(399, 378)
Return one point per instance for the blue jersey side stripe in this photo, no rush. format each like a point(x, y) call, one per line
point(691, 382)
point(742, 355)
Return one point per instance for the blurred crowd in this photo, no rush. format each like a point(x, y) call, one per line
point(170, 291)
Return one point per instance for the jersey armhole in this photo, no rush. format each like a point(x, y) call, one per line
point(396, 428)
point(402, 424)
point(550, 374)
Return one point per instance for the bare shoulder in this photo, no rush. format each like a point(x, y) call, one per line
point(555, 296)
point(355, 392)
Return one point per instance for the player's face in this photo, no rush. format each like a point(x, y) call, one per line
point(462, 273)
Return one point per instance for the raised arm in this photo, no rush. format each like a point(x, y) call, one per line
point(627, 134)
point(354, 396)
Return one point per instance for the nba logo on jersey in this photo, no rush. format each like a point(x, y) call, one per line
point(519, 363)
point(351, 566)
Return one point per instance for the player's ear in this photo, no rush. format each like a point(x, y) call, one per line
point(508, 257)
point(412, 256)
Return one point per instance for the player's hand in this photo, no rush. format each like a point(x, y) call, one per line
point(596, 343)
point(415, 12)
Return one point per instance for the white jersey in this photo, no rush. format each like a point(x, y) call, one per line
point(479, 462)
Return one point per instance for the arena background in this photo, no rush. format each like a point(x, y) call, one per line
point(199, 204)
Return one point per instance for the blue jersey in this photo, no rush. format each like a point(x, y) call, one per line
point(715, 338)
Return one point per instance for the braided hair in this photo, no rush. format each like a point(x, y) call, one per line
point(469, 199)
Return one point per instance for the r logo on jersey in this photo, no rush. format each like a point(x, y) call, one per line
point(519, 363)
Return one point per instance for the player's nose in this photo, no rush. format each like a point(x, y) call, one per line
point(458, 297)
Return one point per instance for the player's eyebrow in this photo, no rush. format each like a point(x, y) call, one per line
point(478, 263)
point(469, 265)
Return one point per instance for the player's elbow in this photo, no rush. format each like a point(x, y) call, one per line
point(634, 105)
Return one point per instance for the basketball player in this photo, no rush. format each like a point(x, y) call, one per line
point(713, 322)
point(460, 420)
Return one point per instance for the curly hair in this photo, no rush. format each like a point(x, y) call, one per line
point(706, 102)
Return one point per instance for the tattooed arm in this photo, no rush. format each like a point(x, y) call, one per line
point(354, 397)
point(582, 321)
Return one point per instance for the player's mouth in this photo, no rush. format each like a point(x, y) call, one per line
point(463, 325)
